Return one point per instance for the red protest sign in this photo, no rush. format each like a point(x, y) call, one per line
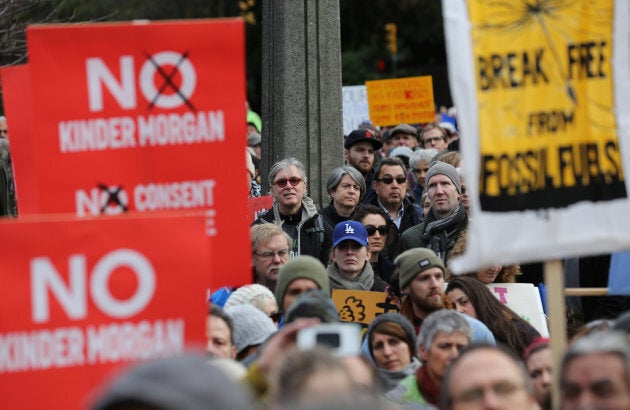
point(16, 94)
point(80, 297)
point(141, 118)
point(259, 205)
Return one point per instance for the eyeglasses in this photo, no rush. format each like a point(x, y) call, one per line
point(388, 179)
point(371, 229)
point(271, 254)
point(433, 139)
point(281, 183)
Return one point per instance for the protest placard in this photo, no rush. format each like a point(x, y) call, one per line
point(361, 306)
point(77, 303)
point(543, 99)
point(137, 117)
point(355, 107)
point(401, 100)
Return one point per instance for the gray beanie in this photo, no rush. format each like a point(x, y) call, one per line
point(399, 320)
point(183, 382)
point(413, 261)
point(443, 168)
point(251, 326)
point(302, 267)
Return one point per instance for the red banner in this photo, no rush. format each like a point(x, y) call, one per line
point(138, 117)
point(76, 302)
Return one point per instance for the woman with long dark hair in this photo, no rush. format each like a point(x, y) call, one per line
point(472, 297)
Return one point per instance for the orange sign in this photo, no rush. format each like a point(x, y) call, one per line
point(138, 118)
point(401, 100)
point(77, 302)
point(360, 306)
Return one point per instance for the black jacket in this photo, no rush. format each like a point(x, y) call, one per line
point(314, 235)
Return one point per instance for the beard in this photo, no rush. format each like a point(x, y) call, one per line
point(425, 304)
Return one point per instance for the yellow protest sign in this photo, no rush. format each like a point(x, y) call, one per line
point(361, 306)
point(544, 88)
point(401, 100)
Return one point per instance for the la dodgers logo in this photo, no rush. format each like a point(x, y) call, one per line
point(349, 229)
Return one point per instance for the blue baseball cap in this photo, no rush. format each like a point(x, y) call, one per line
point(350, 230)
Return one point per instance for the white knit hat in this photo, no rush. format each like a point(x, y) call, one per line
point(246, 294)
point(251, 326)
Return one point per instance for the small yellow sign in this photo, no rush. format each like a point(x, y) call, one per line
point(361, 306)
point(401, 100)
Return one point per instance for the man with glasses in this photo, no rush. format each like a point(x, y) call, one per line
point(446, 221)
point(296, 213)
point(434, 136)
point(270, 251)
point(390, 185)
point(487, 377)
point(351, 268)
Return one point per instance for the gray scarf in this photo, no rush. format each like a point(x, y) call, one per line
point(392, 378)
point(364, 281)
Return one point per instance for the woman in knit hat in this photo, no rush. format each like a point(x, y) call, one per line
point(392, 347)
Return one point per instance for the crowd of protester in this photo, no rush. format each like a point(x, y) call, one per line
point(398, 212)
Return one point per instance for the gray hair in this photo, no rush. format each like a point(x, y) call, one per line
point(284, 164)
point(446, 321)
point(604, 342)
point(335, 178)
point(422, 154)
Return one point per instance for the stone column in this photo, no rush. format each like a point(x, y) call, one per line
point(301, 87)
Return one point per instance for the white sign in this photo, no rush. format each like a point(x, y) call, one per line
point(355, 107)
point(542, 188)
point(524, 299)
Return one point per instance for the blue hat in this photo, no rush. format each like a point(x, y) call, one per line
point(352, 230)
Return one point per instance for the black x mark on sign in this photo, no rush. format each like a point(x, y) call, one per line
point(112, 197)
point(168, 81)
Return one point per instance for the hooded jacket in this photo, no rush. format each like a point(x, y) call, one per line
point(313, 235)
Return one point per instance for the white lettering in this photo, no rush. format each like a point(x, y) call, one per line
point(174, 96)
point(175, 129)
point(45, 277)
point(97, 134)
point(175, 195)
point(98, 75)
point(41, 349)
point(101, 273)
point(73, 301)
point(134, 341)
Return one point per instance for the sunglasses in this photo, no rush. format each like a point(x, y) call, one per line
point(387, 180)
point(371, 229)
point(294, 181)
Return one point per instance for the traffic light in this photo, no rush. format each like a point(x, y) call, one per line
point(390, 38)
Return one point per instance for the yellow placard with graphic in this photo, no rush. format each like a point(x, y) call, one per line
point(548, 135)
point(360, 306)
point(401, 100)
